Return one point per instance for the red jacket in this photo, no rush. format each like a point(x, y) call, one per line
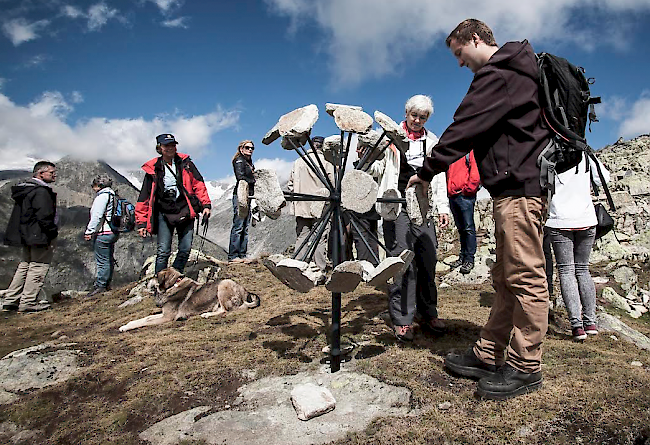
point(463, 177)
point(145, 208)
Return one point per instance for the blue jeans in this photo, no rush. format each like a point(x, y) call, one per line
point(238, 233)
point(165, 231)
point(462, 207)
point(104, 248)
point(572, 249)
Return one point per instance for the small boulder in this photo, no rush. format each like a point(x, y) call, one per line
point(310, 400)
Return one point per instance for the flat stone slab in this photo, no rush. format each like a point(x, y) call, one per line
point(393, 130)
point(606, 322)
point(358, 191)
point(268, 193)
point(407, 256)
point(331, 145)
point(330, 108)
point(271, 135)
point(298, 275)
point(242, 199)
point(345, 277)
point(417, 204)
point(291, 143)
point(310, 400)
point(271, 263)
point(318, 207)
point(387, 269)
point(264, 414)
point(370, 139)
point(38, 367)
point(355, 121)
point(298, 122)
point(389, 210)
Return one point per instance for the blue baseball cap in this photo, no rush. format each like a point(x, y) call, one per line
point(164, 139)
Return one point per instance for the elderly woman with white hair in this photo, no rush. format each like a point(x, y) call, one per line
point(414, 295)
point(99, 230)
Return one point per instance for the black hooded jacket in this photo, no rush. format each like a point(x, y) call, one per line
point(499, 119)
point(32, 221)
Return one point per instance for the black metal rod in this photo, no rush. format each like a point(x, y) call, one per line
point(311, 144)
point(335, 338)
point(309, 255)
point(322, 176)
point(392, 200)
point(374, 237)
point(313, 230)
point(369, 153)
point(345, 158)
point(355, 226)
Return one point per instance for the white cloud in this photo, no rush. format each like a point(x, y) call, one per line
point(2, 82)
point(167, 5)
point(20, 30)
point(99, 14)
point(637, 120)
point(72, 11)
point(282, 167)
point(76, 97)
point(40, 130)
point(373, 38)
point(36, 61)
point(180, 22)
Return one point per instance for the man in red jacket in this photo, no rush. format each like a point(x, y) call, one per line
point(463, 182)
point(173, 194)
point(500, 118)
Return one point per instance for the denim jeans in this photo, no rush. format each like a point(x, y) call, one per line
point(165, 232)
point(572, 249)
point(104, 248)
point(462, 207)
point(238, 233)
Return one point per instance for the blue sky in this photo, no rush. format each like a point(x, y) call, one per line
point(100, 79)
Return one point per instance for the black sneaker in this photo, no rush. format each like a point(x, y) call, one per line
point(9, 307)
point(466, 267)
point(96, 291)
point(469, 365)
point(507, 383)
point(456, 263)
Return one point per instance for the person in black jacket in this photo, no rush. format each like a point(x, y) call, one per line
point(242, 164)
point(500, 118)
point(33, 226)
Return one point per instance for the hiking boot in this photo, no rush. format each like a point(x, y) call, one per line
point(591, 329)
point(579, 334)
point(34, 307)
point(508, 382)
point(456, 263)
point(469, 365)
point(467, 267)
point(435, 325)
point(9, 307)
point(96, 291)
point(404, 333)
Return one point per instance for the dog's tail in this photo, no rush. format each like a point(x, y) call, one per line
point(252, 300)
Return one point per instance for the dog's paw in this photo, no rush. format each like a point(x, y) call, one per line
point(123, 328)
point(206, 315)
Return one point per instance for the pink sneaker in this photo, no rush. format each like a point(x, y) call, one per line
point(578, 334)
point(591, 329)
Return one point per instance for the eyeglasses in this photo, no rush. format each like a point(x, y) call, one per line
point(248, 147)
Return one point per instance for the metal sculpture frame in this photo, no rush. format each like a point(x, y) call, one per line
point(333, 215)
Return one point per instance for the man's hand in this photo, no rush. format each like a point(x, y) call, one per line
point(88, 237)
point(206, 213)
point(443, 220)
point(143, 232)
point(415, 179)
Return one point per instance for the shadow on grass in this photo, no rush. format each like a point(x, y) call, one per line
point(486, 299)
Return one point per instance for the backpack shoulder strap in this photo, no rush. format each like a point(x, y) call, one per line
point(610, 201)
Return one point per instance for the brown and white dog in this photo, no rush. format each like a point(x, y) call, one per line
point(181, 297)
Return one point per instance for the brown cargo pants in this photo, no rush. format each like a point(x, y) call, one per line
point(519, 317)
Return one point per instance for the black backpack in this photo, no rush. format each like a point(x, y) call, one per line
point(567, 105)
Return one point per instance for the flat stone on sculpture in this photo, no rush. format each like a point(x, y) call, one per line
point(268, 193)
point(298, 275)
point(393, 130)
point(387, 269)
point(355, 121)
point(331, 108)
point(345, 277)
point(271, 135)
point(298, 122)
point(298, 141)
point(317, 207)
point(389, 211)
point(370, 140)
point(358, 191)
point(417, 204)
point(242, 199)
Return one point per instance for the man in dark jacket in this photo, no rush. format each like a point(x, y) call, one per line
point(33, 226)
point(500, 118)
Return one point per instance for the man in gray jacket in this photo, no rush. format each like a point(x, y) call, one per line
point(33, 226)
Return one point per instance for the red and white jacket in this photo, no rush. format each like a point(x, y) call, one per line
point(192, 180)
point(463, 177)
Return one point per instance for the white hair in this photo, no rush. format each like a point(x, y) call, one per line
point(419, 103)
